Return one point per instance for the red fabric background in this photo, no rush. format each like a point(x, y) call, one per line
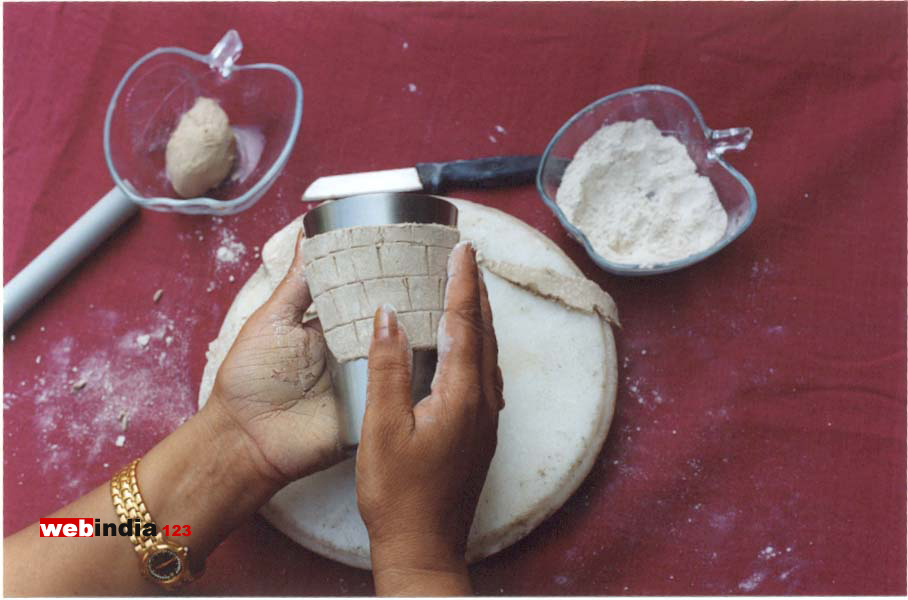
point(759, 439)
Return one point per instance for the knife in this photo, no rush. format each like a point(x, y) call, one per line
point(434, 178)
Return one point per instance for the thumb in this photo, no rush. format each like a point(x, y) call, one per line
point(292, 295)
point(388, 404)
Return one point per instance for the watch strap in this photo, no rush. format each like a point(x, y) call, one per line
point(130, 506)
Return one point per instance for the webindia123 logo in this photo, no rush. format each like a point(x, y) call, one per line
point(87, 527)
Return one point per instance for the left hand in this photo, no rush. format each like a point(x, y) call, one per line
point(275, 386)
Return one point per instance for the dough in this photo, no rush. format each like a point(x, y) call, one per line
point(353, 271)
point(578, 293)
point(560, 374)
point(201, 150)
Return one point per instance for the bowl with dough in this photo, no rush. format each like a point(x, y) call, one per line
point(638, 198)
point(198, 133)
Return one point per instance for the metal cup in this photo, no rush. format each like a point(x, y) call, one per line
point(350, 378)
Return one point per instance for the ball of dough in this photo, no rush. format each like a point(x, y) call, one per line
point(201, 150)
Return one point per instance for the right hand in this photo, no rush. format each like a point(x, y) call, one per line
point(420, 469)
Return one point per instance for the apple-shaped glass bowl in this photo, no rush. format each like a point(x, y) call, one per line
point(674, 114)
point(264, 103)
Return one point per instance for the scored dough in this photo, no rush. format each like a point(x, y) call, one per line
point(353, 271)
point(560, 373)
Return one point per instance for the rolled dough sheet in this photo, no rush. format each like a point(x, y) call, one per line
point(560, 373)
point(574, 292)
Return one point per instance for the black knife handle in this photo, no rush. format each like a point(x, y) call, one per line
point(480, 173)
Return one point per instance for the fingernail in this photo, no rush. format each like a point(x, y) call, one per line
point(385, 323)
point(298, 257)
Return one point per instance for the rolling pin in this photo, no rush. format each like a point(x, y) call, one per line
point(67, 251)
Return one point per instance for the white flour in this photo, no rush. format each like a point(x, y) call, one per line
point(637, 196)
point(231, 250)
point(83, 406)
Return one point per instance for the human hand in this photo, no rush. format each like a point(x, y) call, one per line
point(420, 469)
point(275, 386)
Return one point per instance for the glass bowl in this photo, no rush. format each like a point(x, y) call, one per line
point(264, 103)
point(673, 114)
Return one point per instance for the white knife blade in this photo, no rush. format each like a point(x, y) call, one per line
point(340, 186)
point(434, 178)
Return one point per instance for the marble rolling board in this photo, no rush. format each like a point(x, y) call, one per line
point(560, 374)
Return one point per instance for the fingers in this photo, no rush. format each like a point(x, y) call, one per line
point(292, 293)
point(492, 388)
point(388, 402)
point(460, 328)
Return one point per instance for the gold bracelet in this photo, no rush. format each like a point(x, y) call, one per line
point(160, 560)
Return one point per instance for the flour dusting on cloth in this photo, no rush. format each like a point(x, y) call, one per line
point(636, 194)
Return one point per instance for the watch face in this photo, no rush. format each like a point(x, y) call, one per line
point(164, 565)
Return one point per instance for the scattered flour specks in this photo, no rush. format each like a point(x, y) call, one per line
point(493, 139)
point(751, 583)
point(230, 249)
point(762, 268)
point(79, 408)
point(500, 129)
point(644, 393)
point(786, 574)
point(137, 341)
point(723, 521)
point(696, 466)
point(411, 87)
point(59, 354)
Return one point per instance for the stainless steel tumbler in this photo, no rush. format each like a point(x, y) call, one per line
point(350, 378)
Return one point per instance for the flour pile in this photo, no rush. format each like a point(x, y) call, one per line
point(637, 196)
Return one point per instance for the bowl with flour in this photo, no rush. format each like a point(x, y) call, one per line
point(170, 108)
point(639, 180)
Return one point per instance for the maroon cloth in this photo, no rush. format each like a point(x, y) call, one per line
point(759, 439)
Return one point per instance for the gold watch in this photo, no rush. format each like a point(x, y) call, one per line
point(161, 560)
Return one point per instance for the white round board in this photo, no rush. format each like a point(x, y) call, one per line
point(560, 374)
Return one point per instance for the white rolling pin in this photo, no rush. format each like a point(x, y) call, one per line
point(67, 251)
